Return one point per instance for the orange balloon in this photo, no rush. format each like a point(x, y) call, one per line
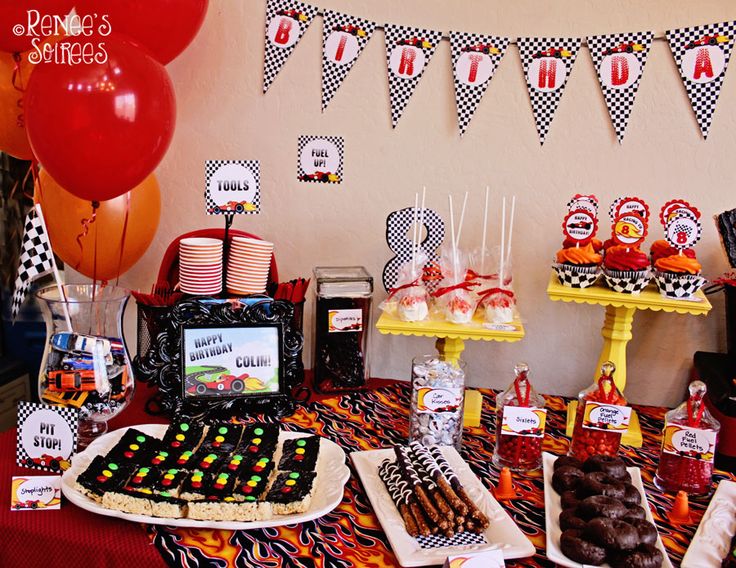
point(102, 254)
point(13, 138)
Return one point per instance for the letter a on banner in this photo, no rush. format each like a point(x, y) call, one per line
point(474, 61)
point(345, 37)
point(619, 60)
point(408, 52)
point(547, 64)
point(702, 55)
point(286, 22)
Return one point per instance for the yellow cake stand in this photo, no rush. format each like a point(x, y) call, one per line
point(620, 310)
point(450, 343)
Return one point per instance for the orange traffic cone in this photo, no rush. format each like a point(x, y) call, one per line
point(680, 512)
point(505, 488)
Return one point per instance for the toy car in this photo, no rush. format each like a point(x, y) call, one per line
point(629, 47)
point(77, 363)
point(486, 48)
point(320, 176)
point(76, 343)
point(294, 14)
point(62, 381)
point(350, 29)
point(29, 505)
point(233, 207)
point(55, 463)
point(708, 40)
point(552, 52)
point(222, 383)
point(416, 42)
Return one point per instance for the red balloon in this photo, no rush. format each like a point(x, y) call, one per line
point(100, 128)
point(18, 28)
point(164, 27)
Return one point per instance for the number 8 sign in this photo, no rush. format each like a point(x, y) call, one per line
point(683, 231)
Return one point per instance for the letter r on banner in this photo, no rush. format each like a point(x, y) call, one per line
point(406, 66)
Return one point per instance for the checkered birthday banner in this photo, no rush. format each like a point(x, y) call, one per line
point(619, 61)
point(474, 61)
point(36, 258)
point(702, 54)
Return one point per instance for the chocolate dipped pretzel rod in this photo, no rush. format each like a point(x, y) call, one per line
point(481, 520)
point(424, 527)
point(400, 494)
point(432, 490)
point(409, 473)
point(427, 461)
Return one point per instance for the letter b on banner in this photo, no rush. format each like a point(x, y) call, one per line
point(283, 31)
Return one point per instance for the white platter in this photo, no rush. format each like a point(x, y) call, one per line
point(553, 508)
point(719, 522)
point(332, 474)
point(502, 532)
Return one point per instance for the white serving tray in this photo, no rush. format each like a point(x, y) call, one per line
point(719, 522)
point(502, 532)
point(332, 474)
point(553, 508)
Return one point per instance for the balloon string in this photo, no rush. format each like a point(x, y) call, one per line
point(17, 80)
point(122, 238)
point(85, 230)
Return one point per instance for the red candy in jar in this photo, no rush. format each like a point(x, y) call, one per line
point(520, 418)
point(688, 446)
point(601, 419)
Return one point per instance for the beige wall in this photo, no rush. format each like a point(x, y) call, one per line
point(223, 114)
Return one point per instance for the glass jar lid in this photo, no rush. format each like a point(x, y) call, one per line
point(343, 281)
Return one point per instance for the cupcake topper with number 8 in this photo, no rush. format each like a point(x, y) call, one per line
point(629, 229)
point(580, 226)
point(683, 230)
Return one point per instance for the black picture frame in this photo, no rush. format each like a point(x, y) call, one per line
point(231, 388)
point(162, 365)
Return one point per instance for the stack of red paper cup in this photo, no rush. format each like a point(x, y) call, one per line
point(247, 266)
point(200, 266)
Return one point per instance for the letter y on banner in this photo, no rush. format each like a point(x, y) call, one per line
point(547, 63)
point(286, 22)
point(345, 37)
point(702, 55)
point(474, 61)
point(408, 51)
point(619, 60)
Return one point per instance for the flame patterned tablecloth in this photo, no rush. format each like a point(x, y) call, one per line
point(351, 536)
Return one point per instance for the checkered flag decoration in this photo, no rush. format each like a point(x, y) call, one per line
point(702, 55)
point(36, 258)
point(619, 60)
point(547, 63)
point(474, 61)
point(345, 36)
point(286, 22)
point(408, 52)
point(464, 538)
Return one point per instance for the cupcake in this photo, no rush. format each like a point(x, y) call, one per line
point(626, 269)
point(662, 248)
point(678, 275)
point(578, 267)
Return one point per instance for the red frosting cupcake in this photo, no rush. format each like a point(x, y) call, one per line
point(625, 259)
point(662, 249)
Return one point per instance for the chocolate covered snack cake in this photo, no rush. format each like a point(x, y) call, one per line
point(300, 454)
point(103, 474)
point(291, 492)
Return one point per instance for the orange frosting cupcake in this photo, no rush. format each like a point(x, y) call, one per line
point(662, 248)
point(579, 255)
point(679, 264)
point(597, 244)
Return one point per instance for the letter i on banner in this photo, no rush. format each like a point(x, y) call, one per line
point(286, 22)
point(702, 55)
point(619, 60)
point(474, 61)
point(345, 37)
point(408, 52)
point(547, 64)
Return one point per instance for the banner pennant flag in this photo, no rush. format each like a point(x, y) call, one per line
point(36, 258)
point(286, 22)
point(408, 52)
point(547, 63)
point(702, 54)
point(345, 36)
point(619, 60)
point(474, 61)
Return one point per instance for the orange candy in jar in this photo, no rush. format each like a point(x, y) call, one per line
point(601, 419)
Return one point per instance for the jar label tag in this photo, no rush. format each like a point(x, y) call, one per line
point(341, 321)
point(445, 399)
point(606, 417)
point(691, 443)
point(525, 421)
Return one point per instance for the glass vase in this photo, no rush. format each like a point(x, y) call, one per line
point(85, 363)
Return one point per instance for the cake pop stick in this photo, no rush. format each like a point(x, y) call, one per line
point(503, 239)
point(483, 243)
point(511, 229)
point(414, 236)
point(462, 219)
point(452, 235)
point(421, 219)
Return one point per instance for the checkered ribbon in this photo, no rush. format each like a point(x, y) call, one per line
point(401, 87)
point(552, 54)
point(339, 32)
point(687, 45)
point(474, 61)
point(284, 17)
point(441, 541)
point(619, 60)
point(36, 259)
